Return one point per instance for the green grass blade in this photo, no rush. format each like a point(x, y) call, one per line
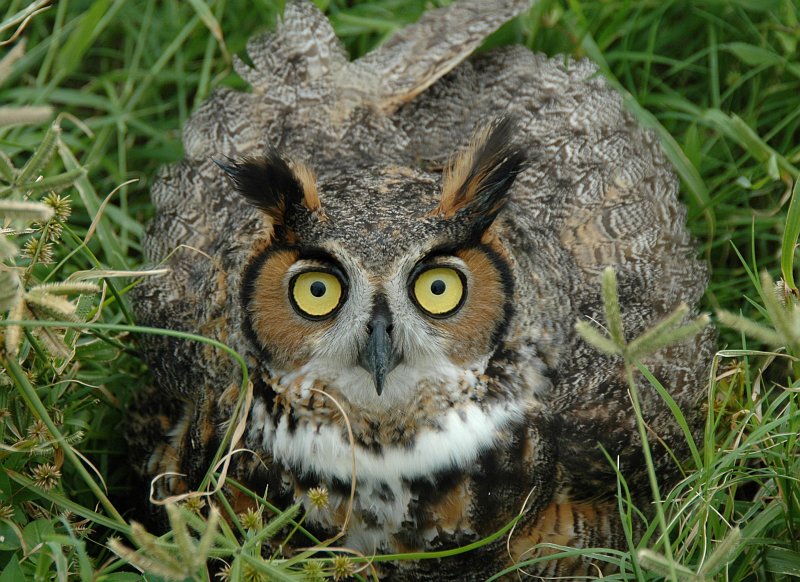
point(791, 232)
point(92, 24)
point(208, 18)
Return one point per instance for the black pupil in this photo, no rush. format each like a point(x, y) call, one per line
point(318, 288)
point(438, 287)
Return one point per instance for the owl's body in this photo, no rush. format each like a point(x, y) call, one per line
point(422, 234)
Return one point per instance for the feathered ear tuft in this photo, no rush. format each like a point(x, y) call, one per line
point(475, 186)
point(275, 185)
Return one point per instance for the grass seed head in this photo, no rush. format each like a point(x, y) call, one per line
point(250, 574)
point(251, 519)
point(195, 504)
point(6, 511)
point(313, 571)
point(61, 205)
point(224, 573)
point(38, 431)
point(36, 248)
point(343, 567)
point(45, 476)
point(318, 496)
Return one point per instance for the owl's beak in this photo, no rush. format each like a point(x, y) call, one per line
point(377, 356)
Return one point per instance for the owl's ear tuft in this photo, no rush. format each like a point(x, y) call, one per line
point(308, 183)
point(475, 186)
point(275, 185)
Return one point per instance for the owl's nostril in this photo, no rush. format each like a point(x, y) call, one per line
point(381, 316)
point(380, 323)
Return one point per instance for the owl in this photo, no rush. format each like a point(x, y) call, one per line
point(400, 247)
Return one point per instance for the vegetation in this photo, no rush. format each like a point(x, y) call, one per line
point(92, 98)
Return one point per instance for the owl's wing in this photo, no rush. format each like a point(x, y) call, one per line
point(599, 191)
point(599, 184)
point(305, 92)
point(420, 54)
point(289, 68)
point(302, 48)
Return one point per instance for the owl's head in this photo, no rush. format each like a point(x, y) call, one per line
point(380, 281)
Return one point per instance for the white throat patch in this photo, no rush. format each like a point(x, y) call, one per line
point(464, 434)
point(454, 441)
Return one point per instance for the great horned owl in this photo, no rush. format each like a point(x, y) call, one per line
point(404, 243)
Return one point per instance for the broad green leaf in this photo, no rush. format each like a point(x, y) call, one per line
point(8, 537)
point(35, 532)
point(13, 572)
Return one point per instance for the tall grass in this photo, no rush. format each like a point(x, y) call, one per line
point(92, 104)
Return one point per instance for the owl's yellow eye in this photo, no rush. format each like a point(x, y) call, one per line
point(439, 291)
point(316, 294)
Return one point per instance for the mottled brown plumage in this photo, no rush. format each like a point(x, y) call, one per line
point(415, 234)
